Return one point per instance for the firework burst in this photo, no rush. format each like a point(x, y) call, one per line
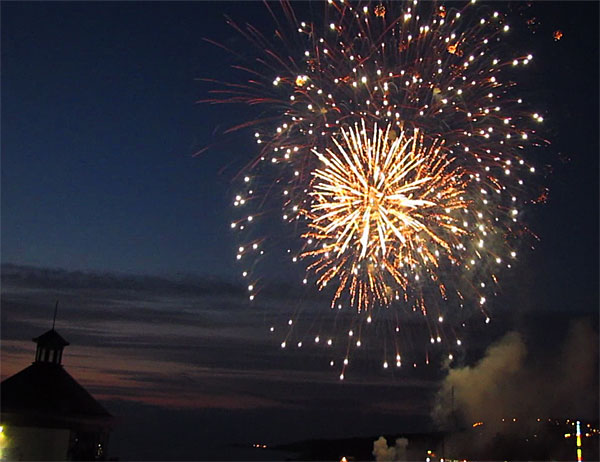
point(380, 206)
point(396, 161)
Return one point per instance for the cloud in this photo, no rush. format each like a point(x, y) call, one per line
point(182, 342)
point(57, 279)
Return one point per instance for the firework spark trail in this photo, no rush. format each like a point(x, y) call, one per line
point(385, 214)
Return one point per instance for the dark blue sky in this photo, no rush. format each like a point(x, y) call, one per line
point(99, 128)
point(99, 131)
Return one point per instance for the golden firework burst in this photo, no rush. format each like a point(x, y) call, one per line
point(384, 209)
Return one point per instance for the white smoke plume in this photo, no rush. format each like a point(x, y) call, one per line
point(509, 383)
point(385, 453)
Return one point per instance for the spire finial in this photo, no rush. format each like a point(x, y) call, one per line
point(55, 311)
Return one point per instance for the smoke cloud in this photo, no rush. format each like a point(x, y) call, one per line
point(510, 383)
point(385, 453)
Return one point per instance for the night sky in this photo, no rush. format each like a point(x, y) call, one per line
point(106, 207)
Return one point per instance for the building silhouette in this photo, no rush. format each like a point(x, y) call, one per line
point(47, 415)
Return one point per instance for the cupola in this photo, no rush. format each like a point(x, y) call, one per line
point(49, 347)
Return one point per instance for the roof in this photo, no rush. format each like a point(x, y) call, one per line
point(51, 339)
point(46, 390)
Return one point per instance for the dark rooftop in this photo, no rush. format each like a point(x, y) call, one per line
point(51, 339)
point(47, 390)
